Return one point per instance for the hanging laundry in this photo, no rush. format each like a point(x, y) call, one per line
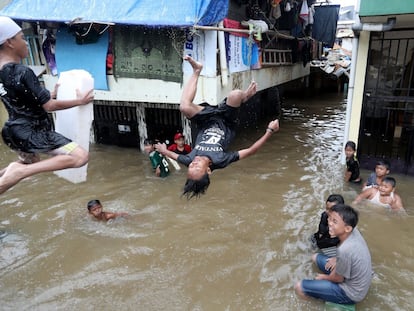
point(304, 13)
point(275, 11)
point(325, 23)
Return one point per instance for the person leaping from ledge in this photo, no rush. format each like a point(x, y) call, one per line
point(216, 129)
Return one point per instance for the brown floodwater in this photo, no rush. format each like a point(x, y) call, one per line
point(240, 247)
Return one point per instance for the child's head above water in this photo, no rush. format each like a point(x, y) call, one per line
point(348, 214)
point(148, 146)
point(95, 208)
point(389, 181)
point(334, 199)
point(382, 167)
point(350, 149)
point(92, 203)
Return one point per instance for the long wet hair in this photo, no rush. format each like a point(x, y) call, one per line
point(348, 214)
point(195, 188)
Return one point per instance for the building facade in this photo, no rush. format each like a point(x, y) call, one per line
point(381, 94)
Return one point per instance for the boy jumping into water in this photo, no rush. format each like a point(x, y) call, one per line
point(216, 126)
point(28, 130)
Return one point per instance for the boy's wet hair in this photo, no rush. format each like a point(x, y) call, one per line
point(148, 142)
point(339, 199)
point(350, 144)
point(385, 163)
point(92, 203)
point(390, 180)
point(195, 188)
point(348, 214)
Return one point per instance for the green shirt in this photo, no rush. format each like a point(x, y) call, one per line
point(158, 159)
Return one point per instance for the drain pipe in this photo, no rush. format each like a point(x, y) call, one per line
point(355, 42)
point(375, 27)
point(223, 59)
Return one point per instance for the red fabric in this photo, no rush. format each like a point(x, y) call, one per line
point(229, 23)
point(178, 136)
point(173, 147)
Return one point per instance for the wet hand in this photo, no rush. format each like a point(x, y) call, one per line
point(160, 147)
point(273, 126)
point(330, 264)
point(53, 94)
point(85, 98)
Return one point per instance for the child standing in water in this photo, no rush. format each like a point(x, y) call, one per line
point(158, 161)
point(96, 210)
point(352, 164)
point(382, 169)
point(384, 195)
point(179, 146)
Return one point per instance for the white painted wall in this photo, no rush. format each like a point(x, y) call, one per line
point(209, 88)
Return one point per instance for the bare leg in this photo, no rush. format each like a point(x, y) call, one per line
point(299, 291)
point(36, 159)
point(2, 171)
point(16, 171)
point(187, 107)
point(237, 97)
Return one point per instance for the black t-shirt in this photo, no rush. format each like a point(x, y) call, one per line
point(28, 128)
point(21, 92)
point(353, 167)
point(212, 141)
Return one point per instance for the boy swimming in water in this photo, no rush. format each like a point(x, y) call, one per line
point(96, 210)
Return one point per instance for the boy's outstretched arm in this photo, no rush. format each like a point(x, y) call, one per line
point(364, 195)
point(271, 128)
point(162, 148)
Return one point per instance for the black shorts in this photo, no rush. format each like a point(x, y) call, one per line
point(222, 111)
point(32, 136)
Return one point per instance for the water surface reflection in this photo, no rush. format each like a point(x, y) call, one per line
point(240, 247)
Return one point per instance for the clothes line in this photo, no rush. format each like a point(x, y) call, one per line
point(250, 31)
point(246, 31)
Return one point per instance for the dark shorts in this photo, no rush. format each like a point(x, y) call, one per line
point(32, 136)
point(222, 111)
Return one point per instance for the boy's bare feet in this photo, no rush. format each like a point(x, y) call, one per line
point(12, 175)
point(250, 91)
point(197, 67)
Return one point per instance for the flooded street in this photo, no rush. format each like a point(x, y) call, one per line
point(242, 246)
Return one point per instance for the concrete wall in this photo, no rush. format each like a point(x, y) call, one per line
point(209, 88)
point(358, 91)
